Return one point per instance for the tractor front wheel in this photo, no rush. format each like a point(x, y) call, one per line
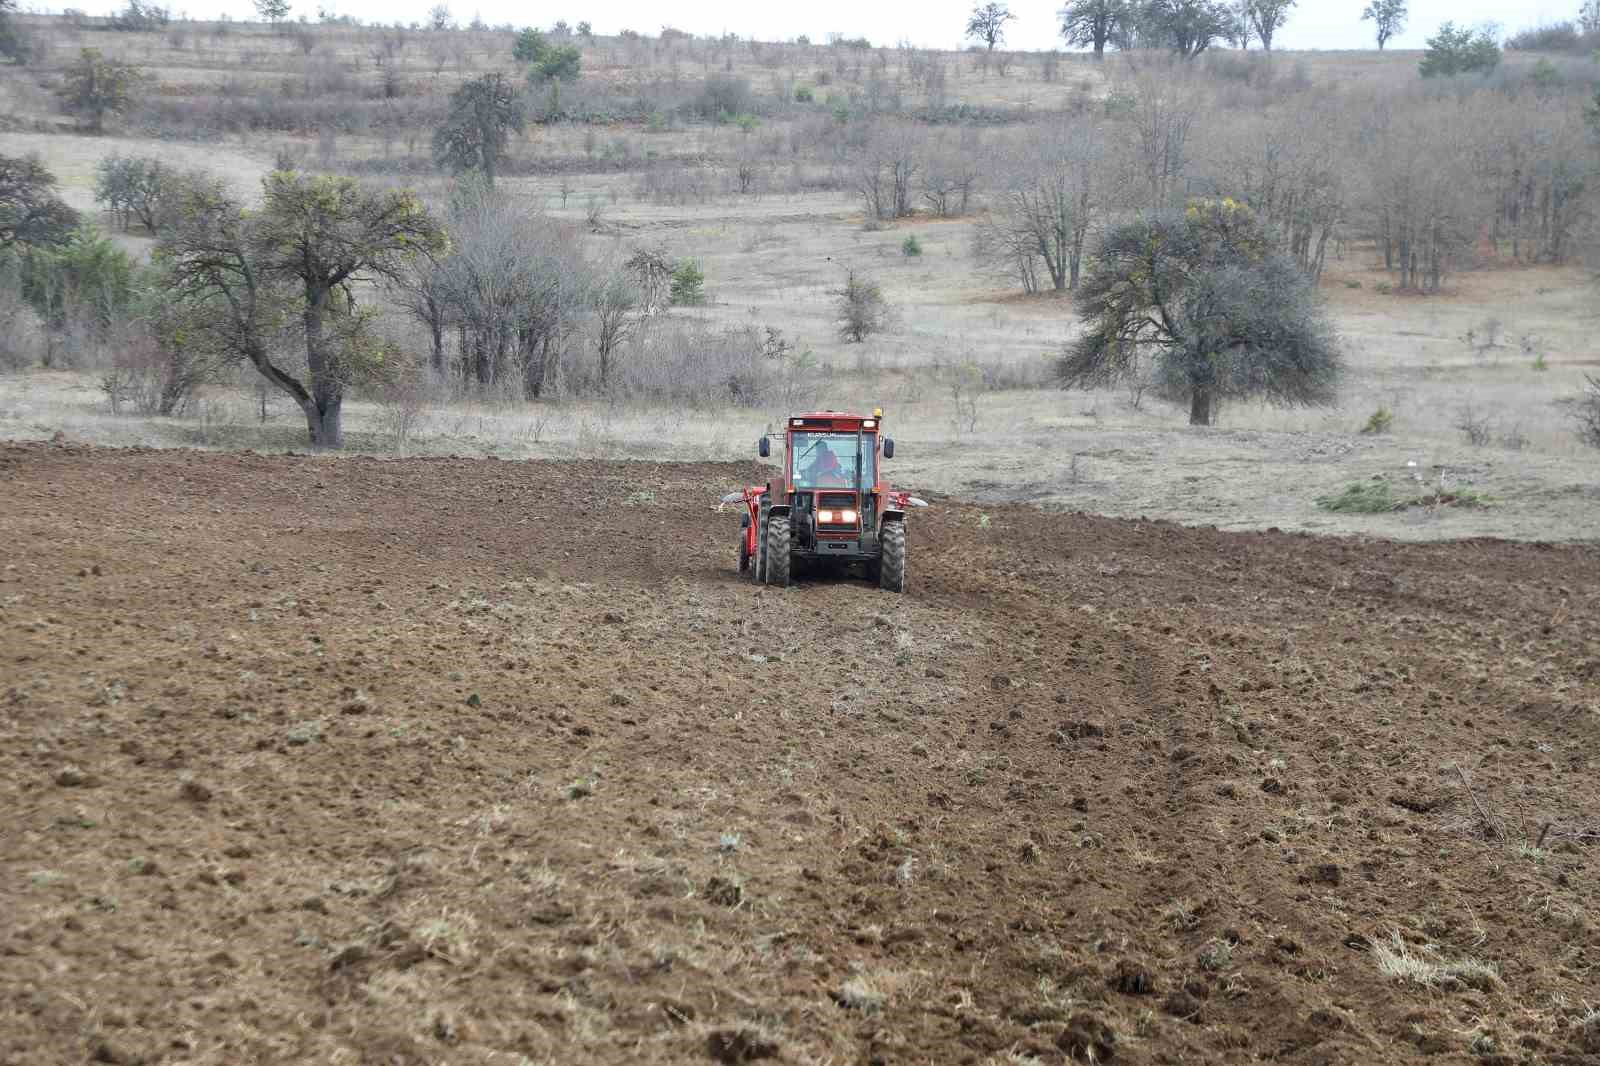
point(778, 551)
point(892, 566)
point(758, 567)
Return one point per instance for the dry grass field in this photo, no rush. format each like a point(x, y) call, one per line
point(961, 367)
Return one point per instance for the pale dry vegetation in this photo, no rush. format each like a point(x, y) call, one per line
point(1420, 208)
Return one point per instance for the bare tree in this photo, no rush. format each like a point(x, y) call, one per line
point(1420, 195)
point(1163, 117)
point(1054, 192)
point(1388, 18)
point(516, 283)
point(885, 170)
point(1291, 167)
point(988, 23)
point(614, 303)
point(651, 270)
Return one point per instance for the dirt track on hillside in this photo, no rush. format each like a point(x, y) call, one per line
point(447, 761)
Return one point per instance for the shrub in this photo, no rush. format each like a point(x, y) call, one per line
point(1586, 412)
point(803, 95)
point(1381, 421)
point(135, 188)
point(1455, 51)
point(911, 247)
point(861, 308)
point(1551, 37)
point(1361, 497)
point(529, 47)
point(1475, 426)
point(688, 284)
point(560, 63)
point(723, 94)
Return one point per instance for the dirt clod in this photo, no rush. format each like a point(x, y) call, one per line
point(1087, 1039)
point(1132, 978)
point(740, 1045)
point(723, 892)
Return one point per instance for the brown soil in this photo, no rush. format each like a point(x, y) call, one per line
point(432, 761)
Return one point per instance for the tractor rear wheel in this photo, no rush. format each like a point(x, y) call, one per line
point(778, 551)
point(892, 566)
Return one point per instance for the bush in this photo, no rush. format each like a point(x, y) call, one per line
point(135, 187)
point(1551, 37)
point(1586, 412)
point(529, 47)
point(803, 95)
point(861, 308)
point(1455, 51)
point(688, 284)
point(911, 247)
point(723, 94)
point(1475, 426)
point(1381, 421)
point(560, 63)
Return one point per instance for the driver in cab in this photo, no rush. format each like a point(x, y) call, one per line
point(825, 467)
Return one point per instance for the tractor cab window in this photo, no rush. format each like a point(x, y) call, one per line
point(824, 460)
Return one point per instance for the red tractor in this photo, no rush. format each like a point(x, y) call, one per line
point(830, 507)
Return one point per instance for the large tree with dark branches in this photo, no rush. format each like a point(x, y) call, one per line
point(484, 112)
point(1093, 23)
point(1202, 302)
point(1388, 18)
point(245, 275)
point(1187, 27)
point(1265, 18)
point(988, 23)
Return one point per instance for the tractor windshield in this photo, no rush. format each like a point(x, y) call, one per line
point(828, 460)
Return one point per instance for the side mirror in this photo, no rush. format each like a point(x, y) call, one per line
point(888, 447)
point(764, 447)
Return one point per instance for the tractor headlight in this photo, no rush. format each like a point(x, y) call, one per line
point(824, 516)
point(847, 517)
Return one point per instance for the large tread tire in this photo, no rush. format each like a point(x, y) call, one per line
point(892, 566)
point(758, 572)
point(778, 558)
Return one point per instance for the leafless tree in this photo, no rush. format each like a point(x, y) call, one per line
point(515, 283)
point(614, 305)
point(651, 270)
point(885, 170)
point(1163, 117)
point(1419, 200)
point(1054, 190)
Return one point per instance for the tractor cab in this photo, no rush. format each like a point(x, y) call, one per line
point(829, 504)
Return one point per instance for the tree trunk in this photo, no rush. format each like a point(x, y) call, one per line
point(324, 424)
point(327, 390)
point(1200, 406)
point(1099, 51)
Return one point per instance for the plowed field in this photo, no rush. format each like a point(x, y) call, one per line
point(438, 761)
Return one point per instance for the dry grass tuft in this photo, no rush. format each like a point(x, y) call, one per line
point(1429, 969)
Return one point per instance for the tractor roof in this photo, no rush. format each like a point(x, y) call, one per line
point(837, 420)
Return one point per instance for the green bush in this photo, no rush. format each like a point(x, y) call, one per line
point(1377, 497)
point(1455, 51)
point(803, 95)
point(688, 284)
point(530, 46)
point(911, 247)
point(561, 63)
point(1381, 421)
